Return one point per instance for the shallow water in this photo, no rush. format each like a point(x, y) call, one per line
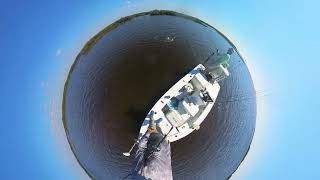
point(116, 82)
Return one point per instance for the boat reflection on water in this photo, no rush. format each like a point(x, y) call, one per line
point(125, 69)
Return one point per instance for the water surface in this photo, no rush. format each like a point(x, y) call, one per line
point(125, 69)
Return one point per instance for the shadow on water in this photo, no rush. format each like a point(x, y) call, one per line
point(124, 69)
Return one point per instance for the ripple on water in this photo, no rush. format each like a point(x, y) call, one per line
point(119, 77)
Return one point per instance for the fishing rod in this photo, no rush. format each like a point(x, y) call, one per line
point(164, 137)
point(127, 154)
point(217, 51)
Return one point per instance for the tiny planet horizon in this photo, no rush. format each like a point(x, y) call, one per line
point(125, 68)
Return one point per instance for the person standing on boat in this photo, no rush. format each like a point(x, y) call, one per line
point(220, 59)
point(153, 156)
point(217, 66)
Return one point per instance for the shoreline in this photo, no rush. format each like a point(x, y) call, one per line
point(93, 40)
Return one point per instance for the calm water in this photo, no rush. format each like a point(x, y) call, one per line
point(114, 85)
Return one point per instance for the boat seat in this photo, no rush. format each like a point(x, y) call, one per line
point(196, 99)
point(189, 105)
point(199, 81)
point(174, 118)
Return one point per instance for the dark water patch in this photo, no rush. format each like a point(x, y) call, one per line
point(123, 70)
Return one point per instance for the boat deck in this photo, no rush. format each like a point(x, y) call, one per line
point(192, 114)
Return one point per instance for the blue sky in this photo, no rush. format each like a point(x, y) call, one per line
point(279, 39)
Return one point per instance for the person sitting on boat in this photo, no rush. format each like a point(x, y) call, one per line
point(217, 67)
point(153, 156)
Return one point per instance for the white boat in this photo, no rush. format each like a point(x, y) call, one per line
point(183, 108)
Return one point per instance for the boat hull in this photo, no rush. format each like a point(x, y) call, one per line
point(197, 114)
